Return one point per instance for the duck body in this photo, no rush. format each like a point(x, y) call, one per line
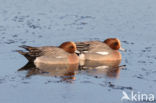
point(51, 54)
point(97, 51)
point(54, 55)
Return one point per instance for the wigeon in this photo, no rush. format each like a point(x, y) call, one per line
point(100, 51)
point(63, 54)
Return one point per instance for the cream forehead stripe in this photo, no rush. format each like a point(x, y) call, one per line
point(118, 41)
point(73, 44)
point(102, 53)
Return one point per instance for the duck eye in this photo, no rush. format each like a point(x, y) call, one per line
point(116, 44)
point(71, 47)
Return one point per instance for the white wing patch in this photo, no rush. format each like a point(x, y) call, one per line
point(59, 57)
point(102, 53)
point(102, 67)
point(82, 57)
point(85, 51)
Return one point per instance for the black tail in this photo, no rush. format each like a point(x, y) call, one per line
point(26, 55)
point(28, 48)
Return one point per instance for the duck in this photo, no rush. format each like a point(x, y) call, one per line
point(63, 54)
point(100, 51)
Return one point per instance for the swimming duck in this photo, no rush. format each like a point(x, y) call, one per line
point(108, 50)
point(63, 54)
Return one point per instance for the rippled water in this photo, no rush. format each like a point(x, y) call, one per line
point(50, 22)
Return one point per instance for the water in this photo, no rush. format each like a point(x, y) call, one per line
point(50, 22)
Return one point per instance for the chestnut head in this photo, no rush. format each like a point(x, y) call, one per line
point(69, 47)
point(114, 43)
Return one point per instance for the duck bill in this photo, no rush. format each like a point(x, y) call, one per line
point(122, 49)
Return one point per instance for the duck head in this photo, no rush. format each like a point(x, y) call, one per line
point(114, 43)
point(69, 47)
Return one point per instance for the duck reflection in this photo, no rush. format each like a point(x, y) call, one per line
point(99, 68)
point(67, 72)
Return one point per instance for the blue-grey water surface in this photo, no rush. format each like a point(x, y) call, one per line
point(51, 22)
